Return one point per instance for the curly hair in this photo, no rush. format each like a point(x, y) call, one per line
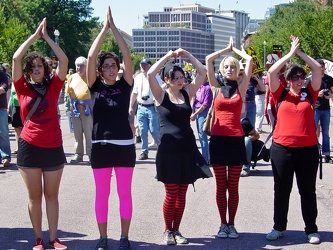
point(102, 56)
point(28, 64)
point(293, 69)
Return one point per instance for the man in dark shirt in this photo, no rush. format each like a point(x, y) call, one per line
point(322, 111)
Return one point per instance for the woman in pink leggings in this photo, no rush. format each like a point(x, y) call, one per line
point(112, 138)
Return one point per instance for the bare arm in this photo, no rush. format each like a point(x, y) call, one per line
point(273, 72)
point(17, 72)
point(61, 70)
point(242, 86)
point(315, 68)
point(156, 89)
point(127, 60)
point(201, 72)
point(93, 52)
point(209, 63)
point(132, 101)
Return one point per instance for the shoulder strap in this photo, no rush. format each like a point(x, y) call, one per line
point(33, 109)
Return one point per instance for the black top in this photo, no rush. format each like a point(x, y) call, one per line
point(110, 110)
point(247, 126)
point(323, 103)
point(176, 132)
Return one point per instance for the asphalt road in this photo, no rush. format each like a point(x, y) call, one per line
point(78, 228)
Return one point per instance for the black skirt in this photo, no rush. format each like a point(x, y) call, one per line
point(37, 157)
point(227, 150)
point(111, 155)
point(179, 167)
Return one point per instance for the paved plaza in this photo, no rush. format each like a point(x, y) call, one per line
point(78, 228)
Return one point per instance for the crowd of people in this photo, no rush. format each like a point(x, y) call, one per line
point(103, 96)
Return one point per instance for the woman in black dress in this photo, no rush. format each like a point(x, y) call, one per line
point(176, 155)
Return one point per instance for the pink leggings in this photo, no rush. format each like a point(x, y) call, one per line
point(102, 178)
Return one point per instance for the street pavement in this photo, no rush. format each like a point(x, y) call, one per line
point(78, 228)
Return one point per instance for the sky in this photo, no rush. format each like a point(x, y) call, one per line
point(128, 14)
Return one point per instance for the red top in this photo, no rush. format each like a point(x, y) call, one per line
point(43, 129)
point(295, 125)
point(227, 112)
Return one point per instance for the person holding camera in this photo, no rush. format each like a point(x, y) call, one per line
point(322, 110)
point(147, 116)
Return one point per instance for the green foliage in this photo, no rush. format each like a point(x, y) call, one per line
point(72, 18)
point(303, 18)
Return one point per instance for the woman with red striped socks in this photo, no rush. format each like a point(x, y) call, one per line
point(226, 147)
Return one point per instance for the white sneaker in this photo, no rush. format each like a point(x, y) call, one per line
point(314, 238)
point(152, 145)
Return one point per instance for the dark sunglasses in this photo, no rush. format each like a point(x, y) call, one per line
point(296, 77)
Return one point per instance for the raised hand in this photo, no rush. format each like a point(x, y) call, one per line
point(38, 33)
point(231, 43)
point(295, 43)
point(181, 52)
point(44, 33)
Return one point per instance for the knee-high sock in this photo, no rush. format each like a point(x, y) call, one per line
point(174, 205)
point(233, 181)
point(221, 191)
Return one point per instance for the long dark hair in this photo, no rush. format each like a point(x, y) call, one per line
point(27, 66)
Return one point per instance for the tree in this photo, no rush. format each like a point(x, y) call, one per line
point(72, 18)
point(308, 20)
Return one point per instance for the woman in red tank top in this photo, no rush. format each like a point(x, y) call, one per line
point(226, 147)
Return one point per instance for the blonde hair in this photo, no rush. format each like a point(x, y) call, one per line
point(232, 61)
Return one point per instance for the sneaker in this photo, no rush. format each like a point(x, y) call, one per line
point(224, 231)
point(233, 234)
point(314, 238)
point(152, 145)
point(179, 238)
point(56, 244)
point(143, 156)
point(138, 139)
point(168, 238)
point(76, 159)
point(274, 235)
point(102, 244)
point(6, 163)
point(328, 159)
point(245, 172)
point(39, 245)
point(124, 244)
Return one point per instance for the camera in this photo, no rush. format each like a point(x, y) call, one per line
point(326, 92)
point(145, 97)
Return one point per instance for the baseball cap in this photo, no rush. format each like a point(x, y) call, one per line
point(6, 65)
point(145, 61)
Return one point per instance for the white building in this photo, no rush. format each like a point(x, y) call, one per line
point(198, 29)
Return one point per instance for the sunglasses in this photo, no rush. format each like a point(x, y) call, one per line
point(297, 77)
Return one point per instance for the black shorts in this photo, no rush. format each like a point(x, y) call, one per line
point(227, 150)
point(31, 156)
point(111, 155)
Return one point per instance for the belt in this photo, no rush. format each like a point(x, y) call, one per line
point(146, 105)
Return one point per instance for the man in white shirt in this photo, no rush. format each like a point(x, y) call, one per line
point(147, 116)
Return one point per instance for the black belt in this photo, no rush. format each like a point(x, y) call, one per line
point(146, 105)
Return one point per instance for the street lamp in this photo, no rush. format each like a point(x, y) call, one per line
point(56, 34)
point(264, 54)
